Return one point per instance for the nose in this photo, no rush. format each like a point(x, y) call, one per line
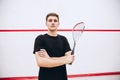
point(53, 21)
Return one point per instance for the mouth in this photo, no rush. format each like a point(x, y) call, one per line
point(53, 26)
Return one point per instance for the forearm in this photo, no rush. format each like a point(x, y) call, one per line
point(50, 62)
point(57, 58)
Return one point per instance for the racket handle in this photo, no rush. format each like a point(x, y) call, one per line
point(72, 53)
point(70, 63)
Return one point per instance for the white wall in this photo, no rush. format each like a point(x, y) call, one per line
point(96, 52)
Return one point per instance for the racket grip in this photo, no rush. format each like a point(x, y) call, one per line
point(72, 53)
point(70, 63)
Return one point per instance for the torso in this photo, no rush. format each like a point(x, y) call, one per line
point(55, 48)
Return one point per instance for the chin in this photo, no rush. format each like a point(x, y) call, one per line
point(53, 29)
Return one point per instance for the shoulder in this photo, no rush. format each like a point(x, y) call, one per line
point(40, 37)
point(62, 37)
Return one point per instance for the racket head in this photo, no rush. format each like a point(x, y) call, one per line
point(78, 30)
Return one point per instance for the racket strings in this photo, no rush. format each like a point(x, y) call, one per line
point(77, 31)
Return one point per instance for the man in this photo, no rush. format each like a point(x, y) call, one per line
point(52, 52)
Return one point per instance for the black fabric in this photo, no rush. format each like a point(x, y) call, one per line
point(55, 47)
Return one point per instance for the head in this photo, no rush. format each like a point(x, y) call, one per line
point(52, 21)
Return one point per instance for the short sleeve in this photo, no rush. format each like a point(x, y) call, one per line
point(66, 45)
point(38, 44)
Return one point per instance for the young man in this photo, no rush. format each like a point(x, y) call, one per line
point(52, 51)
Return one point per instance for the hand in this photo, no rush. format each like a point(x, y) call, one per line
point(68, 53)
point(69, 57)
point(43, 53)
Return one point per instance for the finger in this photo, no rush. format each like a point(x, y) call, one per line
point(44, 50)
point(41, 54)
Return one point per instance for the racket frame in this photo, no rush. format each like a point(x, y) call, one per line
point(74, 41)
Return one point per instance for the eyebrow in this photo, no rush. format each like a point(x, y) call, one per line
point(55, 20)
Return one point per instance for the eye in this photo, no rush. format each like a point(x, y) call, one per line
point(55, 20)
point(50, 20)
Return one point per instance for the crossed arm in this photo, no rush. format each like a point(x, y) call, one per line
point(44, 60)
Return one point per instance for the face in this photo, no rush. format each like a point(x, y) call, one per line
point(52, 23)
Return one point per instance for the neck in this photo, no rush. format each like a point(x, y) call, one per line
point(52, 33)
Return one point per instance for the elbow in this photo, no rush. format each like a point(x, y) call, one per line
point(39, 62)
point(38, 65)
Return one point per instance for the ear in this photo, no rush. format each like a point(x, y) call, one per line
point(58, 23)
point(46, 23)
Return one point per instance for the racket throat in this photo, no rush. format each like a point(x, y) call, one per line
point(73, 50)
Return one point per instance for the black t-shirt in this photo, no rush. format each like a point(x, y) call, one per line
point(55, 47)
